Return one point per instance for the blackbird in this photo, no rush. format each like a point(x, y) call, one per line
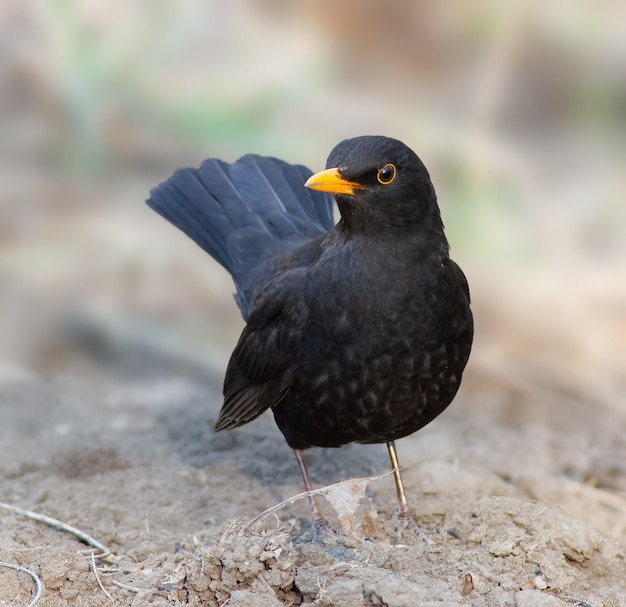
point(356, 332)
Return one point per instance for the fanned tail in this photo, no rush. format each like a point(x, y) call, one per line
point(244, 213)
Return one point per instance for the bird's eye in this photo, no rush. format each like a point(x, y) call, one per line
point(386, 174)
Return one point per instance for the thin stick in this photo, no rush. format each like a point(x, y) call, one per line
point(95, 572)
point(38, 584)
point(308, 494)
point(56, 524)
point(126, 586)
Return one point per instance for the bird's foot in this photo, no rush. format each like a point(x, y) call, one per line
point(320, 532)
point(324, 532)
point(406, 523)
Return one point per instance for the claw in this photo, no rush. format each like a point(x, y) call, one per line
point(405, 522)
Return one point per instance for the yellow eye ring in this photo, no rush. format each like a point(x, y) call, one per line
point(386, 174)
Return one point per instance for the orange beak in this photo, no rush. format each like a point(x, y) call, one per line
point(332, 182)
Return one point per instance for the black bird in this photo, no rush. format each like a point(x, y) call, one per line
point(356, 332)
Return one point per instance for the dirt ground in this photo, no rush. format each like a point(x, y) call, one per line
point(109, 431)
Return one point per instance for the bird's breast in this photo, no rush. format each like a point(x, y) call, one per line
point(379, 359)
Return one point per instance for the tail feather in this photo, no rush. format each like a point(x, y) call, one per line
point(243, 214)
point(316, 206)
point(184, 201)
point(278, 186)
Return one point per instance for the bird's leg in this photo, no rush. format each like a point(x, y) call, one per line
point(404, 507)
point(318, 519)
point(404, 514)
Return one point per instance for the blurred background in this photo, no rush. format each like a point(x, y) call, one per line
point(517, 108)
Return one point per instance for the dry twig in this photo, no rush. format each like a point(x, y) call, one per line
point(95, 572)
point(56, 524)
point(127, 587)
point(35, 578)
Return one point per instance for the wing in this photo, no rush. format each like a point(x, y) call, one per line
point(269, 351)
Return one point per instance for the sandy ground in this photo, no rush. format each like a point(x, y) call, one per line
point(114, 438)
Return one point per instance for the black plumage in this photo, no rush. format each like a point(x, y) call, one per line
point(357, 332)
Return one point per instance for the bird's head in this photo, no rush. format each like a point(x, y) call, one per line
point(380, 184)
